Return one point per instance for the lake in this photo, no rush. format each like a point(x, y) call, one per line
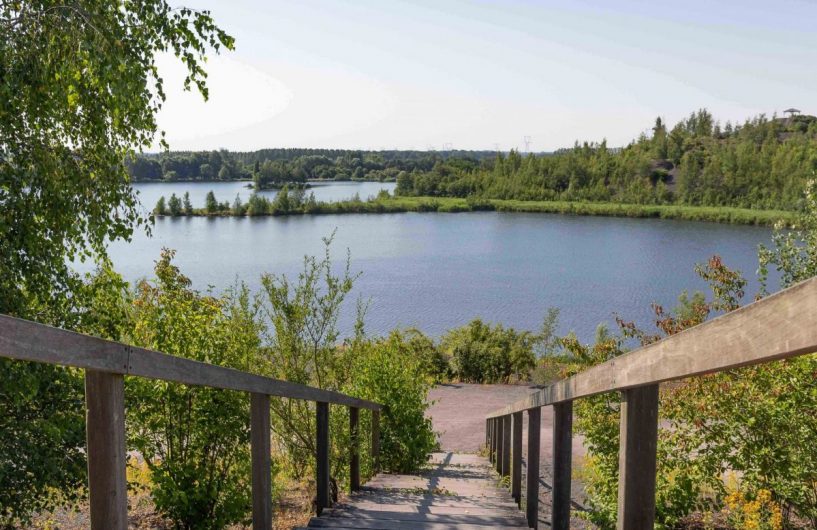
point(436, 271)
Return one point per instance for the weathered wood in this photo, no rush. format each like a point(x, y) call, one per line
point(375, 445)
point(532, 493)
point(494, 439)
point(30, 341)
point(562, 461)
point(107, 459)
point(260, 449)
point(500, 437)
point(322, 457)
point(506, 446)
point(473, 500)
point(516, 462)
point(354, 457)
point(779, 326)
point(637, 455)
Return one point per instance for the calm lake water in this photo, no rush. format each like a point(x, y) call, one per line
point(436, 271)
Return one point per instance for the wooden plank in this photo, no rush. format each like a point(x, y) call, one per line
point(322, 457)
point(354, 457)
point(506, 446)
point(107, 459)
point(779, 326)
point(260, 449)
point(637, 455)
point(532, 492)
point(30, 341)
point(516, 463)
point(562, 462)
point(375, 445)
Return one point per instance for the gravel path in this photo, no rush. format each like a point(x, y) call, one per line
point(458, 414)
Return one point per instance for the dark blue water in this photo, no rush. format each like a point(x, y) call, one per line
point(436, 271)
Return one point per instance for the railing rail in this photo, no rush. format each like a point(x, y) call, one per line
point(107, 362)
point(777, 327)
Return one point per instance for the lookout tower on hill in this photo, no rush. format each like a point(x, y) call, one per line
point(792, 112)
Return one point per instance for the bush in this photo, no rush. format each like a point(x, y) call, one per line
point(481, 353)
point(388, 372)
point(195, 440)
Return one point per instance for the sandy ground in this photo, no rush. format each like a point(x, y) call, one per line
point(458, 414)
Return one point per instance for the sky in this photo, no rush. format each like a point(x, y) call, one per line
point(442, 74)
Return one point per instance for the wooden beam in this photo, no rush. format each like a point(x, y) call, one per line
point(375, 440)
point(532, 493)
point(516, 463)
point(30, 341)
point(562, 464)
point(354, 448)
point(779, 326)
point(107, 459)
point(637, 454)
point(322, 457)
point(261, 471)
point(506, 446)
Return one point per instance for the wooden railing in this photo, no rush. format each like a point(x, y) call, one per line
point(107, 362)
point(777, 327)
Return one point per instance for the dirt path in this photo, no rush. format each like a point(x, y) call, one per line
point(458, 415)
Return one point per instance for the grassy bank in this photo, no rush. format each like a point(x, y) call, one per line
point(453, 205)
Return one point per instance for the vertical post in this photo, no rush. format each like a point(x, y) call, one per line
point(639, 442)
point(506, 446)
point(516, 464)
point(534, 426)
point(260, 449)
point(494, 439)
point(499, 437)
point(107, 460)
point(375, 440)
point(562, 461)
point(487, 433)
point(322, 456)
point(354, 461)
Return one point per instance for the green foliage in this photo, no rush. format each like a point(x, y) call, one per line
point(482, 353)
point(388, 371)
point(174, 206)
point(195, 440)
point(211, 204)
point(161, 206)
point(187, 205)
point(762, 164)
point(78, 92)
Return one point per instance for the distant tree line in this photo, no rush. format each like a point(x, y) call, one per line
point(763, 163)
point(272, 168)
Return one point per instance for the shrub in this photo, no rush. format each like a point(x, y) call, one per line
point(195, 440)
point(481, 353)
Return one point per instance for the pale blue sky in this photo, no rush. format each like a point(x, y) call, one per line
point(418, 75)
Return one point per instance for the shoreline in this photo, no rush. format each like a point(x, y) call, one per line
point(717, 214)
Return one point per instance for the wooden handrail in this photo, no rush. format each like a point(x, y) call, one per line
point(107, 362)
point(776, 327)
point(780, 326)
point(29, 341)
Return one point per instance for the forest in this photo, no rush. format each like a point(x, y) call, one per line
point(760, 164)
point(272, 168)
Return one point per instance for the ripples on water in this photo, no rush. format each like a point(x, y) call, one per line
point(436, 271)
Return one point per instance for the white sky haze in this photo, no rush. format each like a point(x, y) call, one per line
point(418, 75)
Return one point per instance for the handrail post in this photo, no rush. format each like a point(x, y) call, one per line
point(107, 458)
point(354, 460)
point(534, 426)
point(494, 439)
point(506, 446)
point(516, 464)
point(260, 448)
point(562, 461)
point(375, 441)
point(637, 458)
point(322, 456)
point(499, 437)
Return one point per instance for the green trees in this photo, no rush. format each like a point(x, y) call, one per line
point(174, 206)
point(199, 461)
point(481, 353)
point(186, 204)
point(161, 206)
point(210, 203)
point(78, 93)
